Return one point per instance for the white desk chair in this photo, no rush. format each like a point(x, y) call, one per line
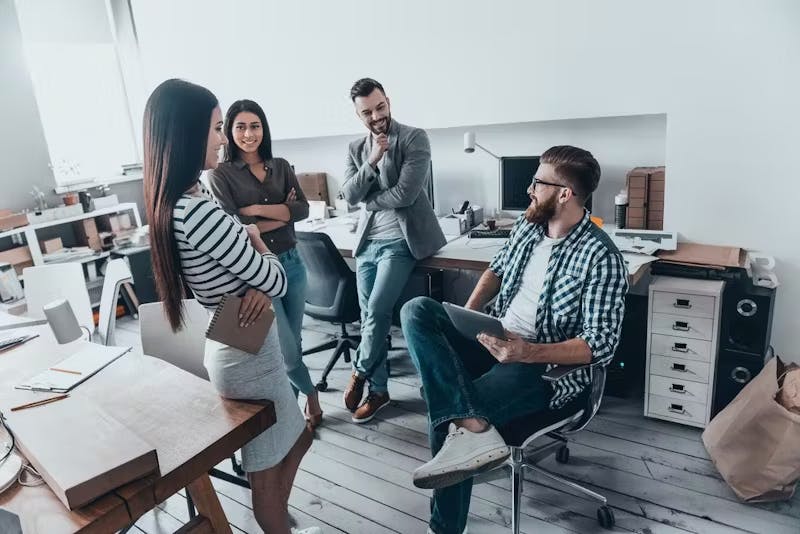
point(46, 283)
point(117, 273)
point(183, 349)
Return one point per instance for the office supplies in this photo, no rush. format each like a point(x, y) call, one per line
point(645, 198)
point(39, 402)
point(470, 323)
point(497, 233)
point(11, 342)
point(88, 360)
point(65, 371)
point(80, 450)
point(317, 210)
point(224, 326)
point(644, 241)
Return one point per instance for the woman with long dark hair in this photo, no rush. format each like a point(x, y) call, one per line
point(263, 190)
point(194, 242)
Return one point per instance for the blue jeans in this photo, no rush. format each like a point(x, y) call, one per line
point(382, 270)
point(289, 316)
point(461, 379)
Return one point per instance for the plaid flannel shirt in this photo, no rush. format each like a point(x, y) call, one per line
point(583, 295)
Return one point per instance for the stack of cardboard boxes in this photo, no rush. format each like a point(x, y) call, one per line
point(646, 198)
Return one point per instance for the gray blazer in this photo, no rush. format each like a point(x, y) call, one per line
point(401, 187)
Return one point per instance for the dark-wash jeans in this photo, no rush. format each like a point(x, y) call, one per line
point(462, 379)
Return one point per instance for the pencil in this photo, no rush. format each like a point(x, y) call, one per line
point(40, 402)
point(65, 371)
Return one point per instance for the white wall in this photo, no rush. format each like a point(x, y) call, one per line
point(724, 72)
point(619, 144)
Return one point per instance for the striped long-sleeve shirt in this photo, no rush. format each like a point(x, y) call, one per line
point(583, 295)
point(216, 255)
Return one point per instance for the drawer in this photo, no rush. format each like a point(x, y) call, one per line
point(683, 304)
point(692, 370)
point(682, 326)
point(680, 347)
point(674, 388)
point(691, 412)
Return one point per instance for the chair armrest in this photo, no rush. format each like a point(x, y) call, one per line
point(560, 371)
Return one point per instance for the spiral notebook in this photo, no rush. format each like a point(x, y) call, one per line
point(224, 326)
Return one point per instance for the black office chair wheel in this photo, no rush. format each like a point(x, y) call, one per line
point(322, 386)
point(562, 455)
point(605, 516)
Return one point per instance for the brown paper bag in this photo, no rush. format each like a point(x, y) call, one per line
point(755, 442)
point(790, 390)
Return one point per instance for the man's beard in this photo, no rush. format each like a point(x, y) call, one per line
point(384, 126)
point(542, 211)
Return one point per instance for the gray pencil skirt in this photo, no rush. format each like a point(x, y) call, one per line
point(239, 375)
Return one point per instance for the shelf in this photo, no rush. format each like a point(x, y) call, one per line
point(125, 206)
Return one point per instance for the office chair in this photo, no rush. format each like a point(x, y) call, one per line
point(117, 273)
point(557, 425)
point(331, 296)
point(183, 349)
point(46, 283)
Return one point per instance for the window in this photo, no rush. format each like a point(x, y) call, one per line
point(78, 85)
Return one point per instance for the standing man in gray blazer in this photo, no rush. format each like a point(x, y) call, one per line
point(386, 172)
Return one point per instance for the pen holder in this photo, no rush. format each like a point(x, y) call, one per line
point(62, 321)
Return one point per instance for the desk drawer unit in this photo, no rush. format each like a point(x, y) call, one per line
point(680, 347)
point(682, 339)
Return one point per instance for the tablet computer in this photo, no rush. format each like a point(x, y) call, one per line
point(470, 323)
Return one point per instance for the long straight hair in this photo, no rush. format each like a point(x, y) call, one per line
point(231, 150)
point(176, 123)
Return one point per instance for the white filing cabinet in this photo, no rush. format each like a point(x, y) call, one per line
point(683, 320)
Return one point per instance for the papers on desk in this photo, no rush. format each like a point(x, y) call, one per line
point(635, 261)
point(83, 364)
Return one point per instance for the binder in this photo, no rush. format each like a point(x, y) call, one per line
point(82, 365)
point(224, 326)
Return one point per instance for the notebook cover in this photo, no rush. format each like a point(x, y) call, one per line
point(224, 326)
point(79, 449)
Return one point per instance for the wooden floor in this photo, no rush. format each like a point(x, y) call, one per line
point(357, 478)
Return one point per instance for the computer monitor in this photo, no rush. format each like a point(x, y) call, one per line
point(516, 174)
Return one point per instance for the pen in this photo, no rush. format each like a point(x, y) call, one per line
point(65, 371)
point(40, 402)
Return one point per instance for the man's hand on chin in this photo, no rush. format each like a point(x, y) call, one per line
point(511, 349)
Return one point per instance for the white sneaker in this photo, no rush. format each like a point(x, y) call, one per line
point(463, 455)
point(309, 530)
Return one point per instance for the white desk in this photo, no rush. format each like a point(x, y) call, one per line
point(460, 252)
point(9, 321)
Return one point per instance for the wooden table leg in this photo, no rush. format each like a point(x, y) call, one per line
point(211, 518)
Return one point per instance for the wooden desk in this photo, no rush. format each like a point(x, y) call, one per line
point(191, 427)
point(460, 252)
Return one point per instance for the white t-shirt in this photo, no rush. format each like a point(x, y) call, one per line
point(520, 316)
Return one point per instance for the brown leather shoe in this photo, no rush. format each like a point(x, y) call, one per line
point(370, 406)
point(354, 391)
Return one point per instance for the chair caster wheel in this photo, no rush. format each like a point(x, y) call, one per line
point(605, 516)
point(322, 386)
point(562, 456)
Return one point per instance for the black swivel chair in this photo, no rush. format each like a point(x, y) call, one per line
point(331, 296)
point(556, 425)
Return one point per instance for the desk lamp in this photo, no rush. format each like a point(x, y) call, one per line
point(470, 144)
point(63, 322)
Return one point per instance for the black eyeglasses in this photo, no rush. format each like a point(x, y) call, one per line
point(537, 181)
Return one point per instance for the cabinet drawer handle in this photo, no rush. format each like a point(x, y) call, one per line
point(681, 326)
point(679, 367)
point(677, 388)
point(677, 408)
point(680, 347)
point(683, 304)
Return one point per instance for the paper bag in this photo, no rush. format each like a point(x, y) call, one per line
point(754, 441)
point(789, 396)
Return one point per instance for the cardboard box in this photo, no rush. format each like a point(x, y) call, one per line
point(646, 198)
point(49, 246)
point(19, 257)
point(10, 220)
point(314, 186)
point(705, 255)
point(86, 234)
